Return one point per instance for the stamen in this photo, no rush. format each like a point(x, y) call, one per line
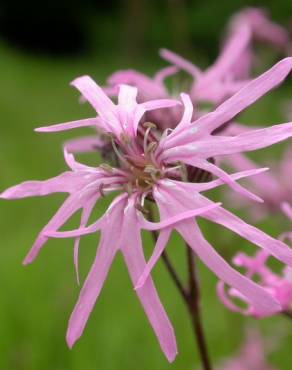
point(184, 173)
point(153, 155)
point(103, 188)
point(143, 184)
point(172, 168)
point(118, 154)
point(150, 168)
point(109, 188)
point(151, 147)
point(128, 188)
point(149, 126)
point(154, 172)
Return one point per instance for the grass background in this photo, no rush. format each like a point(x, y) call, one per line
point(36, 300)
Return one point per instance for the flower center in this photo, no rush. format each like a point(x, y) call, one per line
point(144, 177)
point(140, 167)
point(137, 159)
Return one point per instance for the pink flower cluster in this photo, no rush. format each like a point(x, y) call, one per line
point(276, 194)
point(278, 285)
point(160, 151)
point(251, 356)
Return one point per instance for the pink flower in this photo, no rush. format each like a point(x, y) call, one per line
point(230, 72)
point(263, 29)
point(149, 88)
point(278, 179)
point(251, 356)
point(279, 286)
point(112, 118)
point(232, 68)
point(287, 209)
point(122, 118)
point(157, 166)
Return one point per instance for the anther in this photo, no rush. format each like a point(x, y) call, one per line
point(149, 125)
point(118, 154)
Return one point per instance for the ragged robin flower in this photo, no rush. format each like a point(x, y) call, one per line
point(160, 168)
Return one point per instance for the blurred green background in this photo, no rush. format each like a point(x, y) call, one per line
point(42, 48)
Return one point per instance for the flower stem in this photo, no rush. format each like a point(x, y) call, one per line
point(194, 308)
point(190, 296)
point(174, 275)
point(172, 271)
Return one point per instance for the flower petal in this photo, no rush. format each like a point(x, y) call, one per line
point(86, 212)
point(97, 225)
point(174, 201)
point(248, 141)
point(231, 52)
point(159, 104)
point(261, 300)
point(145, 224)
point(68, 208)
point(148, 88)
point(135, 261)
point(87, 122)
point(158, 250)
point(127, 97)
point(108, 246)
point(67, 182)
point(246, 96)
point(84, 144)
point(180, 62)
point(185, 121)
point(182, 198)
point(223, 176)
point(275, 247)
point(94, 95)
point(76, 166)
point(161, 75)
point(204, 186)
point(241, 162)
point(249, 94)
point(287, 209)
point(94, 282)
point(225, 299)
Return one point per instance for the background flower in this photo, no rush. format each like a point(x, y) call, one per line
point(34, 79)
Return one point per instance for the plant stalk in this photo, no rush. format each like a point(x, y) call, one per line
point(191, 298)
